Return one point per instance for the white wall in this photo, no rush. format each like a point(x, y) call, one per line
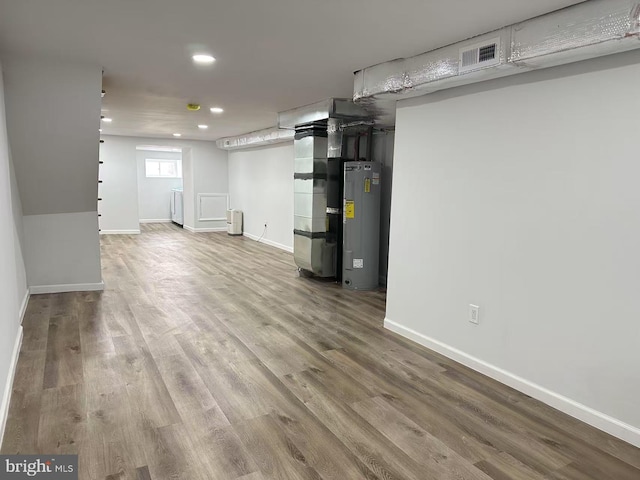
point(154, 194)
point(119, 187)
point(13, 287)
point(53, 116)
point(210, 186)
point(261, 185)
point(53, 245)
point(204, 169)
point(22, 290)
point(188, 189)
point(521, 196)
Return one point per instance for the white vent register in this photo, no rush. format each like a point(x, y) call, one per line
point(480, 55)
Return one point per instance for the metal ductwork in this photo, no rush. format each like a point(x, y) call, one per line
point(313, 251)
point(258, 138)
point(342, 108)
point(587, 30)
point(317, 180)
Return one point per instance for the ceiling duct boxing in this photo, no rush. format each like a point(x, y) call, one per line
point(587, 30)
point(344, 110)
point(258, 138)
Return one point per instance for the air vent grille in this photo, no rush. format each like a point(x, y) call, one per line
point(487, 53)
point(470, 57)
point(479, 56)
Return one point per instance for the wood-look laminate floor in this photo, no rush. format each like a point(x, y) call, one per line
point(207, 357)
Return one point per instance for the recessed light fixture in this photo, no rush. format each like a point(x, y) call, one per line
point(107, 119)
point(216, 110)
point(203, 59)
point(203, 127)
point(177, 134)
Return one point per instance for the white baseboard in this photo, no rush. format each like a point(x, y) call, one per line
point(269, 242)
point(6, 396)
point(23, 307)
point(204, 229)
point(120, 232)
point(597, 419)
point(76, 287)
point(155, 220)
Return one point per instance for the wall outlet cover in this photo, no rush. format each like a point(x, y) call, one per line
point(474, 314)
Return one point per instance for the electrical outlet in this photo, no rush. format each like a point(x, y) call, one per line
point(474, 314)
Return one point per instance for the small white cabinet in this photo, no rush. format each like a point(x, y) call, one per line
point(177, 206)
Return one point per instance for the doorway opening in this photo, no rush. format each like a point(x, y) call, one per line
point(160, 184)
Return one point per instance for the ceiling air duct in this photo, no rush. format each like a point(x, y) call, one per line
point(587, 30)
point(258, 138)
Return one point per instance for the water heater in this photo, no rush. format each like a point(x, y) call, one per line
point(361, 225)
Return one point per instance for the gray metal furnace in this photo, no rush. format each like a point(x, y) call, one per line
point(333, 143)
point(361, 230)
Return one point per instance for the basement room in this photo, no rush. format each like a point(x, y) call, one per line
point(304, 240)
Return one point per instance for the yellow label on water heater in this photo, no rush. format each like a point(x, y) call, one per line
point(349, 209)
point(367, 185)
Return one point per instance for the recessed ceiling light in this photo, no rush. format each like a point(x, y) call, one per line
point(107, 119)
point(177, 134)
point(216, 110)
point(203, 127)
point(203, 59)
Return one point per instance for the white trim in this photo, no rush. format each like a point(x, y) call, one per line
point(597, 419)
point(8, 387)
point(23, 307)
point(271, 243)
point(120, 232)
point(75, 287)
point(204, 229)
point(211, 195)
point(155, 220)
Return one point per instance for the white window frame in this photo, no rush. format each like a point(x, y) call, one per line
point(175, 161)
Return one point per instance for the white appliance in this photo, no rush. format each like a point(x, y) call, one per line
point(177, 210)
point(234, 222)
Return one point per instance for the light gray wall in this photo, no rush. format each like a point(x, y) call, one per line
point(188, 188)
point(13, 287)
point(210, 176)
point(204, 170)
point(18, 229)
point(53, 116)
point(521, 196)
point(261, 185)
point(119, 187)
point(62, 250)
point(154, 194)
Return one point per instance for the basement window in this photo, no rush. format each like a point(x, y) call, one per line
point(163, 168)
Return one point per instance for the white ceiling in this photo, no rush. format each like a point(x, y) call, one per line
point(272, 55)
